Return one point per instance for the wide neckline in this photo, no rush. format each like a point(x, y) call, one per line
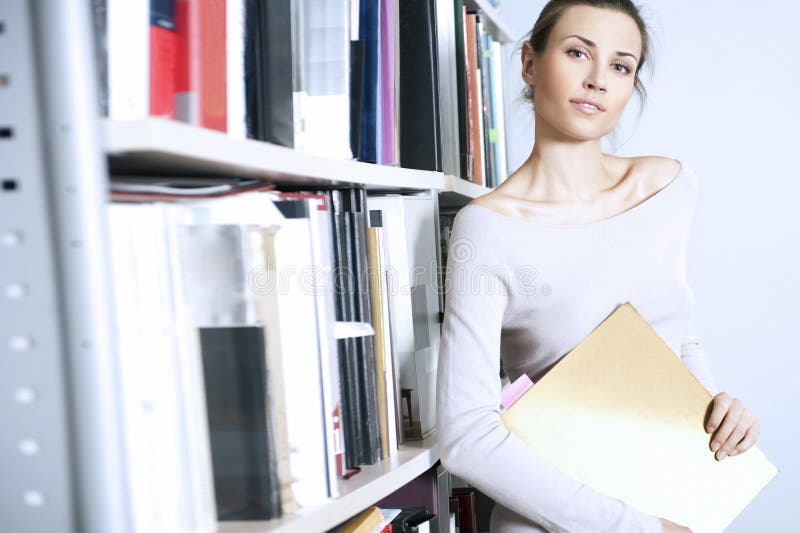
point(599, 222)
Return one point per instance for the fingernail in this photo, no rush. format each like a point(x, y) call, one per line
point(710, 429)
point(722, 455)
point(715, 446)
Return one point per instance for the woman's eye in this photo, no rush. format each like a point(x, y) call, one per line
point(574, 52)
point(569, 52)
point(625, 68)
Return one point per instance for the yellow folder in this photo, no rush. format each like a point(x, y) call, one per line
point(622, 414)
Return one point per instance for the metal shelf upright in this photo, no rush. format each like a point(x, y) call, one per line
point(61, 452)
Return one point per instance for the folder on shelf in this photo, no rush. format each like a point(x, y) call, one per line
point(622, 414)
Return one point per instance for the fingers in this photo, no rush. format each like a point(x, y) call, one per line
point(745, 420)
point(722, 402)
point(749, 439)
point(726, 429)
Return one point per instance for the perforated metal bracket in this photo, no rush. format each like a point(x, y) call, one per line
point(60, 439)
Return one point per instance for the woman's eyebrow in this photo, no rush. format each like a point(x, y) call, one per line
point(592, 44)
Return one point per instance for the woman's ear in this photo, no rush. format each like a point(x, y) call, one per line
point(528, 64)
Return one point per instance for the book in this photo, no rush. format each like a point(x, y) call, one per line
point(625, 383)
point(466, 509)
point(356, 354)
point(445, 33)
point(322, 88)
point(365, 522)
point(409, 227)
point(164, 419)
point(305, 346)
point(269, 72)
point(137, 44)
point(388, 82)
point(473, 98)
point(385, 350)
point(420, 137)
point(242, 437)
point(235, 37)
point(201, 66)
point(369, 18)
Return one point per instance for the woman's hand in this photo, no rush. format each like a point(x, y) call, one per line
point(672, 527)
point(734, 428)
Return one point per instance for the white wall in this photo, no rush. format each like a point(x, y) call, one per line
point(725, 98)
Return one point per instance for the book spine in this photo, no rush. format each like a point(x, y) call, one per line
point(163, 56)
point(486, 106)
point(242, 437)
point(377, 295)
point(234, 49)
point(343, 280)
point(476, 129)
point(461, 91)
point(420, 134)
point(388, 84)
point(366, 349)
point(201, 92)
point(128, 59)
point(368, 33)
point(499, 110)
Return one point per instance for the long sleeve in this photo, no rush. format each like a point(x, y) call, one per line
point(694, 357)
point(692, 354)
point(475, 445)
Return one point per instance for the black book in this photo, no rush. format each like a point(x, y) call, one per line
point(420, 136)
point(409, 519)
point(269, 71)
point(366, 347)
point(461, 89)
point(357, 206)
point(240, 430)
point(348, 361)
point(368, 34)
point(356, 92)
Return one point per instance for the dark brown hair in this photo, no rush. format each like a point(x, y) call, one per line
point(551, 13)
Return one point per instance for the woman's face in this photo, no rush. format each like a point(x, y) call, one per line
point(592, 53)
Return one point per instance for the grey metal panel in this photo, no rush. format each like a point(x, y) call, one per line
point(61, 443)
point(78, 186)
point(35, 459)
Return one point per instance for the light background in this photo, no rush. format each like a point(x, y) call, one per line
point(723, 98)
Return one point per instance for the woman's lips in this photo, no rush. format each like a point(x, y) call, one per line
point(587, 109)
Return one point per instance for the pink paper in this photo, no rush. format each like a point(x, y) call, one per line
point(514, 391)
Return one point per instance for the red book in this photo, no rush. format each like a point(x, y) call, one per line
point(473, 87)
point(163, 44)
point(201, 74)
point(466, 509)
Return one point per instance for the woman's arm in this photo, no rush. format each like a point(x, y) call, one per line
point(696, 360)
point(475, 445)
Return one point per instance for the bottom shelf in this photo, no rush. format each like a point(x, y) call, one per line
point(355, 494)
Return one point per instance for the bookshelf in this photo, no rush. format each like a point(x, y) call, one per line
point(54, 249)
point(356, 494)
point(165, 147)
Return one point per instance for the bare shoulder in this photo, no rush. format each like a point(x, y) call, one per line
point(491, 199)
point(652, 171)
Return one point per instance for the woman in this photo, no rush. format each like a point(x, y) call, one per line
point(540, 261)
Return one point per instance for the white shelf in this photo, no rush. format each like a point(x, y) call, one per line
point(373, 483)
point(498, 27)
point(163, 147)
point(465, 188)
point(459, 192)
point(166, 147)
